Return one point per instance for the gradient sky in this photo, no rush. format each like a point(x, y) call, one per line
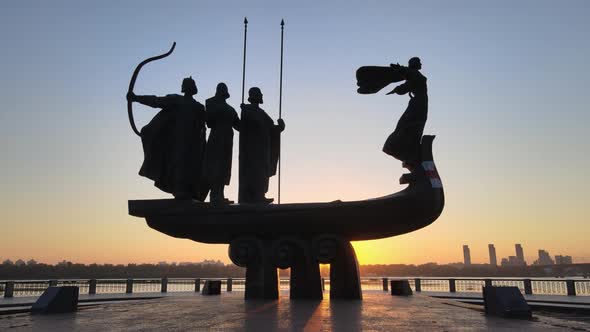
point(508, 103)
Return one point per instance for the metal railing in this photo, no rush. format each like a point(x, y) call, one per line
point(22, 288)
point(569, 287)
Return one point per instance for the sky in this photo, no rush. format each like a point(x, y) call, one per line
point(507, 102)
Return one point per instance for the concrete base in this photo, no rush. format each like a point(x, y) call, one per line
point(297, 253)
point(345, 282)
point(506, 302)
point(212, 287)
point(401, 287)
point(57, 300)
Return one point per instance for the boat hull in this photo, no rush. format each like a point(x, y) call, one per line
point(413, 208)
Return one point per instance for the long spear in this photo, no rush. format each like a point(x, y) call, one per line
point(244, 64)
point(281, 101)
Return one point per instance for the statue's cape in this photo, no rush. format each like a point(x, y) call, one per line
point(371, 79)
point(156, 139)
point(161, 154)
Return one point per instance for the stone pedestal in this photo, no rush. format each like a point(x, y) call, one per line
point(262, 258)
point(212, 287)
point(345, 282)
point(57, 300)
point(506, 302)
point(401, 287)
point(261, 274)
point(296, 253)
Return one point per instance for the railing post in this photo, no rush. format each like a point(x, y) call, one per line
point(92, 286)
point(323, 284)
point(164, 287)
point(9, 289)
point(528, 286)
point(198, 285)
point(52, 283)
point(488, 282)
point(129, 287)
point(417, 285)
point(571, 287)
point(385, 285)
point(229, 284)
point(452, 287)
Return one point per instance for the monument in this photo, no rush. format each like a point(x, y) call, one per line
point(263, 237)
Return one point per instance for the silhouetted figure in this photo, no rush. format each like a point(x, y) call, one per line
point(259, 150)
point(173, 142)
point(222, 119)
point(404, 142)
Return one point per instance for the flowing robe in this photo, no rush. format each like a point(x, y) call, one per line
point(222, 119)
point(404, 142)
point(259, 153)
point(173, 143)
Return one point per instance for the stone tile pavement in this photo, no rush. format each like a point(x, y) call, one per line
point(377, 312)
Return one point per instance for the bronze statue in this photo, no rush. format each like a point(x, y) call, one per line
point(222, 119)
point(173, 142)
point(404, 142)
point(259, 150)
point(298, 236)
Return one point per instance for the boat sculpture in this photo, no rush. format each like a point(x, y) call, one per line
point(300, 236)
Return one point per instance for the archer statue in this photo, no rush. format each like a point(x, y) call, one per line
point(404, 142)
point(174, 142)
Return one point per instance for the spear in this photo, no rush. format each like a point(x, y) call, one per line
point(281, 102)
point(244, 64)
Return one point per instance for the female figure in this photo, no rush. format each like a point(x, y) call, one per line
point(404, 142)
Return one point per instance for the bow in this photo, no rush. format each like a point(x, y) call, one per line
point(132, 84)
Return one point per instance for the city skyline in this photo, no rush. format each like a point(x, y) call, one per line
point(529, 260)
point(543, 258)
point(507, 102)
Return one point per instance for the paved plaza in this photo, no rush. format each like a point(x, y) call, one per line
point(377, 312)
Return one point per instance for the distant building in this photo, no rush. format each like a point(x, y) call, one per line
point(466, 255)
point(544, 258)
point(514, 261)
point(519, 254)
point(562, 260)
point(517, 260)
point(511, 261)
point(492, 250)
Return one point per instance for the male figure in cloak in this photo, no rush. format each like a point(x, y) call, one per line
point(259, 150)
point(173, 142)
point(404, 142)
point(222, 119)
